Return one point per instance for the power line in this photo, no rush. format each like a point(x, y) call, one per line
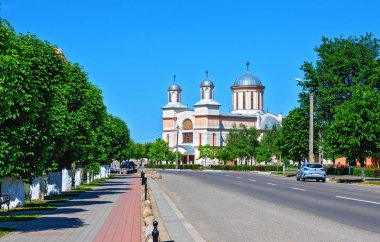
point(148, 137)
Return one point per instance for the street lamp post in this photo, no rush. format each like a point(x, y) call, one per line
point(311, 124)
point(176, 154)
point(311, 128)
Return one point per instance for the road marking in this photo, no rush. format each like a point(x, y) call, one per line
point(359, 200)
point(238, 177)
point(252, 180)
point(227, 175)
point(299, 189)
point(272, 184)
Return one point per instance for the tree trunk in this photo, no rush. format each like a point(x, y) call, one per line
point(362, 167)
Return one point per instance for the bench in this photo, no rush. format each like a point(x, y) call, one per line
point(5, 199)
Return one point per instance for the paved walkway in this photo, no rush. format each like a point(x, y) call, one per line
point(177, 226)
point(109, 212)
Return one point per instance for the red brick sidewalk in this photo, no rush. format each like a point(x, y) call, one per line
point(124, 221)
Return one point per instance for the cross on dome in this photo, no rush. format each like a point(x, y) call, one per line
point(247, 64)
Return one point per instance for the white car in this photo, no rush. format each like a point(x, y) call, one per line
point(311, 171)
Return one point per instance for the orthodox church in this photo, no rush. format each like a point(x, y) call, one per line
point(190, 128)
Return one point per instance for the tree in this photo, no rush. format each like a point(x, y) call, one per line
point(32, 97)
point(251, 137)
point(294, 135)
point(224, 154)
point(354, 130)
point(239, 141)
point(206, 151)
point(342, 64)
point(159, 151)
point(268, 144)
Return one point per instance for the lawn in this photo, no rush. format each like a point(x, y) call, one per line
point(4, 231)
point(18, 217)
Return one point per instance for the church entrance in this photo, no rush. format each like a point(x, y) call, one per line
point(188, 159)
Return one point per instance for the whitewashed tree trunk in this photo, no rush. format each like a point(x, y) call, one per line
point(67, 180)
point(88, 177)
point(78, 177)
point(15, 189)
point(37, 188)
point(104, 171)
point(54, 183)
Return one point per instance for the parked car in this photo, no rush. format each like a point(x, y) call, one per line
point(129, 166)
point(311, 171)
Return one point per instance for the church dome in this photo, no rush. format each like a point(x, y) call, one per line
point(247, 80)
point(174, 87)
point(207, 82)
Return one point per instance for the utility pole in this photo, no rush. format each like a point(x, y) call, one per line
point(176, 154)
point(311, 128)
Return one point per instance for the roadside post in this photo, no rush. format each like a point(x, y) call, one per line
point(145, 188)
point(155, 232)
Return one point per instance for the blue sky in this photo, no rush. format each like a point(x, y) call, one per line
point(131, 49)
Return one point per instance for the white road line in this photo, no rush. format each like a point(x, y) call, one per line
point(238, 177)
point(299, 189)
point(359, 200)
point(272, 184)
point(252, 180)
point(227, 175)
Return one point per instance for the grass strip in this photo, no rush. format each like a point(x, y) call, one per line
point(18, 217)
point(4, 231)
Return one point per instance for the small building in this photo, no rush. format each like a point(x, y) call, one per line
point(205, 124)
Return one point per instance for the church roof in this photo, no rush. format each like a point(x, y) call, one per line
point(204, 102)
point(174, 87)
point(207, 82)
point(247, 79)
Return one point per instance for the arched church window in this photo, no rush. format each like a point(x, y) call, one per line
point(187, 124)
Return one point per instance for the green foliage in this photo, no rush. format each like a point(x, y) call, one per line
point(268, 145)
point(354, 130)
point(244, 168)
point(173, 166)
point(224, 153)
point(346, 81)
point(205, 152)
point(294, 135)
point(50, 114)
point(159, 151)
point(342, 63)
point(242, 142)
point(368, 172)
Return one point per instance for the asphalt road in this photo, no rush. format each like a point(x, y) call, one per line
point(246, 206)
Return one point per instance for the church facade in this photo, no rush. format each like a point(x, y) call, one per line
point(190, 128)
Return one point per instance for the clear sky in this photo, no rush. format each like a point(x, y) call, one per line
point(131, 49)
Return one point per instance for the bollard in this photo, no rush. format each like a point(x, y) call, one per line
point(145, 183)
point(142, 177)
point(155, 232)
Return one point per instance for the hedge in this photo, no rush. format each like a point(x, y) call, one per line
point(245, 168)
point(172, 166)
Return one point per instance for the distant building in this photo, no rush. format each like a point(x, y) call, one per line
point(205, 124)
